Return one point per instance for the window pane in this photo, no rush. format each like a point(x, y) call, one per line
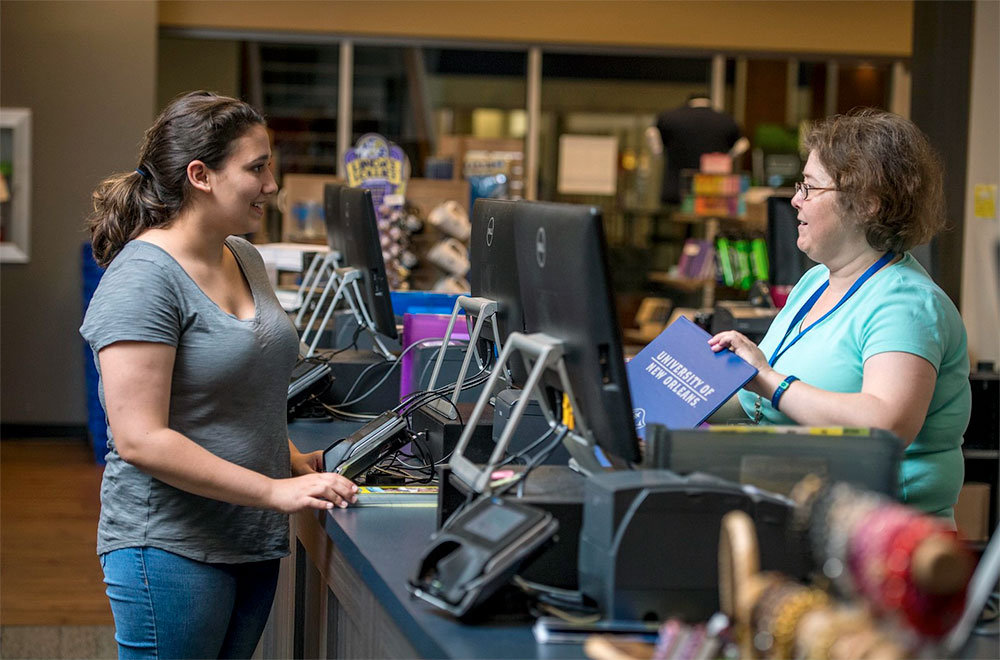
point(618, 96)
point(299, 84)
point(415, 96)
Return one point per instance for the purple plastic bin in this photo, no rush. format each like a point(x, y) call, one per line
point(422, 326)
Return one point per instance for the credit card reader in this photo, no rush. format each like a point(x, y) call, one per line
point(478, 551)
point(354, 455)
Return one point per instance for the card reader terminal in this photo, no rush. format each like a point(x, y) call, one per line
point(478, 551)
point(354, 455)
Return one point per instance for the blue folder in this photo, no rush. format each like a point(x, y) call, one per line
point(677, 381)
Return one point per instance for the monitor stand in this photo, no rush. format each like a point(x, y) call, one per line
point(443, 432)
point(355, 372)
point(547, 354)
point(482, 309)
point(445, 418)
point(318, 269)
point(556, 488)
point(346, 282)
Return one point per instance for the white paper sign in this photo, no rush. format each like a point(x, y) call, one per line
point(588, 165)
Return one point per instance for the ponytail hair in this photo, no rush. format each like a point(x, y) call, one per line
point(194, 126)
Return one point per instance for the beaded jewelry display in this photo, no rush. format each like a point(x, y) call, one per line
point(906, 564)
point(902, 576)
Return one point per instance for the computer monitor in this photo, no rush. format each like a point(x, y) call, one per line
point(362, 250)
point(331, 217)
point(566, 293)
point(786, 261)
point(493, 273)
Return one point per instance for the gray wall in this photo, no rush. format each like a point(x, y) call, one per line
point(189, 64)
point(87, 71)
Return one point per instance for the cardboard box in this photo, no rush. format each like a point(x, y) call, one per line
point(972, 511)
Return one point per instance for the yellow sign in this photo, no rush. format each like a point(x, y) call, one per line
point(984, 201)
point(380, 169)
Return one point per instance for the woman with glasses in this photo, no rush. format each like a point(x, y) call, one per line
point(867, 339)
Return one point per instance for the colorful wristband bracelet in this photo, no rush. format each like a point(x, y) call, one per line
point(781, 390)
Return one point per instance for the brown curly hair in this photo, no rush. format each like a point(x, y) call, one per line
point(888, 175)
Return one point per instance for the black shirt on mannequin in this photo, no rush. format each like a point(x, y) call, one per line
point(688, 132)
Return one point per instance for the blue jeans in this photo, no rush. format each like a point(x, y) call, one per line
point(168, 606)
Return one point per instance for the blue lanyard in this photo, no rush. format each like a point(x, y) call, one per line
point(799, 315)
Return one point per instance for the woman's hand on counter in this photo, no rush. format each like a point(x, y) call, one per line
point(317, 490)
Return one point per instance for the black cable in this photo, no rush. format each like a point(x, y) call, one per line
point(534, 443)
point(426, 457)
point(421, 399)
point(392, 365)
point(317, 358)
point(423, 372)
point(352, 345)
point(394, 464)
point(531, 465)
point(347, 397)
point(416, 395)
point(430, 396)
point(347, 416)
point(412, 402)
point(535, 461)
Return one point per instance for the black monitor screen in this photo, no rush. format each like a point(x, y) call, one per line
point(566, 293)
point(787, 262)
point(362, 250)
point(331, 216)
point(493, 274)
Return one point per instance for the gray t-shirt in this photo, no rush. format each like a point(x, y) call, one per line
point(228, 394)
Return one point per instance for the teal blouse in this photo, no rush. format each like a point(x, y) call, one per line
point(900, 309)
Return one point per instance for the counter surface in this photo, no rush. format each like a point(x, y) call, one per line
point(383, 545)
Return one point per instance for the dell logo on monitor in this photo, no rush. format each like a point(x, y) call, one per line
point(489, 231)
point(540, 247)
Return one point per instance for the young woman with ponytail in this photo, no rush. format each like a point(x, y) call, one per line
point(195, 355)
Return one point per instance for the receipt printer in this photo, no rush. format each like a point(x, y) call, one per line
point(650, 541)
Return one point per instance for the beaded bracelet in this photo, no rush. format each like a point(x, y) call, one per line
point(764, 610)
point(781, 390)
point(789, 613)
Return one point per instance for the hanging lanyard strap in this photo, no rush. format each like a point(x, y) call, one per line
point(799, 315)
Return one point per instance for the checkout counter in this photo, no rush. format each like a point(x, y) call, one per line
point(342, 591)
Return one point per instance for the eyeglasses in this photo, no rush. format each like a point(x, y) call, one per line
point(804, 189)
